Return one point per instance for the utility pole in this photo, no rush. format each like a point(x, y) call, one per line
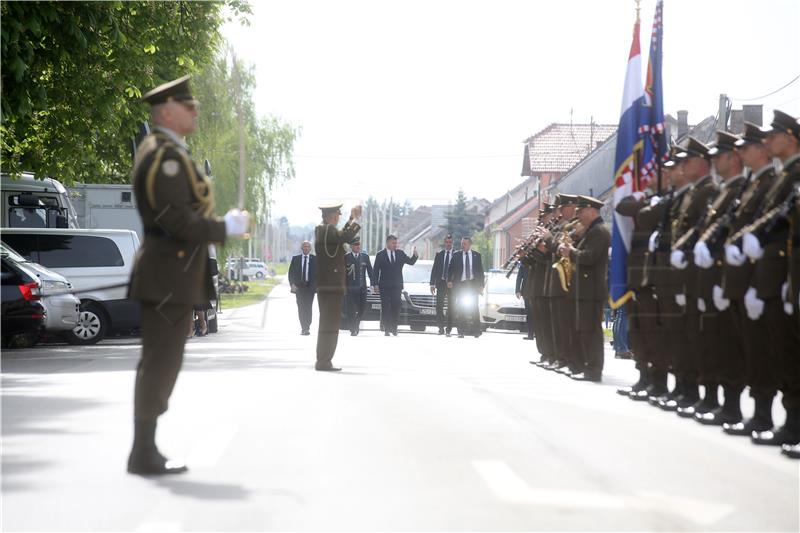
point(391, 214)
point(237, 91)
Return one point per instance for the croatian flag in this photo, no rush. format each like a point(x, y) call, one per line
point(655, 151)
point(626, 178)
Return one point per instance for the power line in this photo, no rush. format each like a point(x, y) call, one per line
point(768, 94)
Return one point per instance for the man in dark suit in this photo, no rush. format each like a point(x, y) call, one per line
point(357, 264)
point(466, 281)
point(301, 278)
point(441, 267)
point(519, 291)
point(589, 286)
point(388, 274)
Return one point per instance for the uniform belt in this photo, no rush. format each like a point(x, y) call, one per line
point(155, 232)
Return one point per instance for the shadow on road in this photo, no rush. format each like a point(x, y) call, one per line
point(202, 490)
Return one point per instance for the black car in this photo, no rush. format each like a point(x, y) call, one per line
point(22, 312)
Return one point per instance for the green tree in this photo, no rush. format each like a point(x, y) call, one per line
point(461, 222)
point(73, 74)
point(482, 243)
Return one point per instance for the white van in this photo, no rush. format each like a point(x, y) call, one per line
point(28, 202)
point(91, 260)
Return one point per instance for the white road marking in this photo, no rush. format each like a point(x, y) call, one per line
point(209, 449)
point(511, 488)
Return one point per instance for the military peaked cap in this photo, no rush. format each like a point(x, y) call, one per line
point(175, 90)
point(726, 142)
point(752, 135)
point(783, 123)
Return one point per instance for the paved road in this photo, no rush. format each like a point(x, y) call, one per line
point(418, 432)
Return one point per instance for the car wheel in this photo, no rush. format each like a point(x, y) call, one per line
point(92, 325)
point(259, 275)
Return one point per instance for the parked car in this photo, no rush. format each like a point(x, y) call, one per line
point(251, 268)
point(418, 309)
point(92, 260)
point(21, 311)
point(499, 305)
point(28, 202)
point(61, 305)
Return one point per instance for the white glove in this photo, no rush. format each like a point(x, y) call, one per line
point(702, 255)
point(701, 305)
point(677, 259)
point(752, 247)
point(680, 299)
point(651, 244)
point(754, 306)
point(638, 195)
point(788, 308)
point(654, 200)
point(236, 222)
point(720, 302)
point(734, 256)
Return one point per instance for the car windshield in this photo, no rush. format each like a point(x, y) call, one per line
point(11, 254)
point(499, 284)
point(418, 273)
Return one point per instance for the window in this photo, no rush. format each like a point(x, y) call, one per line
point(67, 251)
point(24, 245)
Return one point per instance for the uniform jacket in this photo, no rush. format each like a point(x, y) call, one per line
point(438, 271)
point(552, 286)
point(708, 277)
point(329, 244)
point(522, 279)
point(457, 268)
point(536, 277)
point(358, 268)
point(630, 207)
point(772, 270)
point(590, 258)
point(657, 271)
point(390, 275)
point(690, 211)
point(737, 279)
point(175, 200)
point(296, 272)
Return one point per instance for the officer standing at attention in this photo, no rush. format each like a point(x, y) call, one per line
point(329, 244)
point(176, 203)
point(302, 276)
point(441, 267)
point(358, 264)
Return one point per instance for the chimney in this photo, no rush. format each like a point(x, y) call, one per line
point(754, 113)
point(683, 123)
point(722, 120)
point(737, 121)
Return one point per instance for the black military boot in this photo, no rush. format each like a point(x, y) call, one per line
point(791, 450)
point(642, 384)
point(657, 386)
point(669, 400)
point(690, 400)
point(145, 459)
point(761, 420)
point(710, 401)
point(789, 433)
point(729, 413)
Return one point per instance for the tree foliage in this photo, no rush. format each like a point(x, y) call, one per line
point(461, 221)
point(73, 74)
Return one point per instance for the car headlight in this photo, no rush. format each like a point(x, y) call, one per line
point(51, 287)
point(467, 301)
point(493, 307)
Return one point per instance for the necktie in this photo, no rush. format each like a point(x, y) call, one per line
point(305, 268)
point(356, 268)
point(446, 268)
point(469, 267)
point(392, 256)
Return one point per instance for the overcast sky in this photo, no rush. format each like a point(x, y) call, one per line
point(415, 99)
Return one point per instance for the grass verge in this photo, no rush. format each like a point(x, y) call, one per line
point(256, 292)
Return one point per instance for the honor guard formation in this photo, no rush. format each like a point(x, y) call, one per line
point(713, 273)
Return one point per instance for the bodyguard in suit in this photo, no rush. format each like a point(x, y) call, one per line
point(358, 267)
point(441, 267)
point(520, 289)
point(466, 280)
point(388, 272)
point(302, 272)
point(176, 203)
point(329, 244)
point(589, 286)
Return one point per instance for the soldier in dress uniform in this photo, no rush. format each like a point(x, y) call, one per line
point(539, 261)
point(721, 348)
point(773, 248)
point(329, 244)
point(176, 203)
point(358, 268)
point(589, 287)
point(694, 162)
point(754, 370)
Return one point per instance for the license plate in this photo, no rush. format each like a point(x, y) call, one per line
point(376, 306)
point(515, 318)
point(426, 311)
